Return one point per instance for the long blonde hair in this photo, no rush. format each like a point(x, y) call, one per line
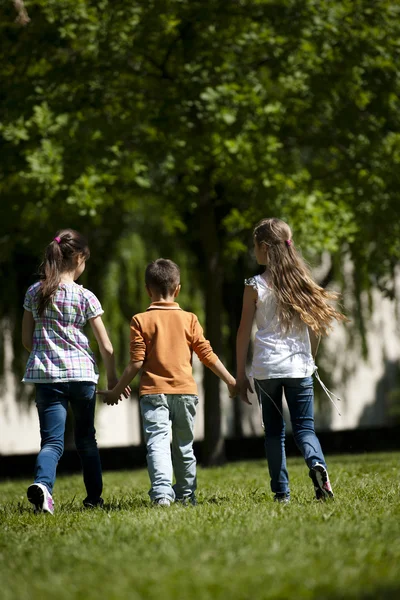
point(296, 292)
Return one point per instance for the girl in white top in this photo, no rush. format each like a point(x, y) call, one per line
point(287, 305)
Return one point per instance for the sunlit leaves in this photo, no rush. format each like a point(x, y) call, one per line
point(287, 108)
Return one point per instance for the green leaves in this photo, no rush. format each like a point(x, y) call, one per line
point(259, 108)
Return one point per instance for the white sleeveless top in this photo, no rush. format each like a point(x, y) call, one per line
point(276, 353)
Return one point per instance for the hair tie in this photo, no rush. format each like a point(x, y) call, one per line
point(288, 242)
point(57, 239)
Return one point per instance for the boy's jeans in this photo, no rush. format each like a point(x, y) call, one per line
point(157, 412)
point(52, 404)
point(299, 394)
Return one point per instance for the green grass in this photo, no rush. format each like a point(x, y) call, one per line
point(236, 545)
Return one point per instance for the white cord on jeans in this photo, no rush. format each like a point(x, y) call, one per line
point(260, 405)
point(330, 394)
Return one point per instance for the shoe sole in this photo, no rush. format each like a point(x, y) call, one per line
point(319, 477)
point(35, 496)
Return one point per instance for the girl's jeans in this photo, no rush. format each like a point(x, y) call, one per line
point(299, 394)
point(157, 412)
point(52, 404)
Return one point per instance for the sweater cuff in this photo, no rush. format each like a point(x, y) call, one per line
point(137, 355)
point(210, 360)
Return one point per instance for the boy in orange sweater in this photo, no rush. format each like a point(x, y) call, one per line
point(162, 341)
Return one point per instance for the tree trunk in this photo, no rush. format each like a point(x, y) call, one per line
point(233, 293)
point(213, 445)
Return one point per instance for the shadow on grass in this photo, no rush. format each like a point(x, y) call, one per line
point(378, 593)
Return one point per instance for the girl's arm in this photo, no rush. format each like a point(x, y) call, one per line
point(28, 327)
point(243, 340)
point(106, 349)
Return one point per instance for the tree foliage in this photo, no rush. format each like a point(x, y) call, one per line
point(184, 121)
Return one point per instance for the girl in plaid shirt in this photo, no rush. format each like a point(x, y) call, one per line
point(62, 366)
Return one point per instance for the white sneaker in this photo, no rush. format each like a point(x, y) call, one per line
point(39, 495)
point(322, 485)
point(162, 501)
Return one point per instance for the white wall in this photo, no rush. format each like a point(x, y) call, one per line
point(353, 379)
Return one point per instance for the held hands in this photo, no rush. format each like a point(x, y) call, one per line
point(122, 389)
point(110, 397)
point(239, 388)
point(243, 386)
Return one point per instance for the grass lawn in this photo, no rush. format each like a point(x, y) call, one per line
point(236, 544)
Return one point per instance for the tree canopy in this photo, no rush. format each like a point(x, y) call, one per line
point(182, 122)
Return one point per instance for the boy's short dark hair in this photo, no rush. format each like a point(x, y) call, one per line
point(162, 276)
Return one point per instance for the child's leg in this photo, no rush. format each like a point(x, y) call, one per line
point(183, 412)
point(156, 418)
point(300, 398)
point(52, 404)
point(83, 404)
point(299, 395)
point(269, 392)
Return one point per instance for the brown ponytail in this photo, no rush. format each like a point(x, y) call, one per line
point(59, 257)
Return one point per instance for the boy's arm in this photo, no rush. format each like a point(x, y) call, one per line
point(201, 345)
point(28, 327)
point(122, 387)
point(203, 349)
point(106, 349)
point(138, 354)
point(243, 340)
point(219, 369)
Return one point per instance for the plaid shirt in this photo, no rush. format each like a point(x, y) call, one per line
point(60, 350)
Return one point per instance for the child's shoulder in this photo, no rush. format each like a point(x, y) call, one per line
point(33, 289)
point(82, 291)
point(258, 282)
point(151, 315)
point(139, 316)
point(251, 282)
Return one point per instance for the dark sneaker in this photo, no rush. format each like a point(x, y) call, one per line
point(163, 501)
point(322, 485)
point(187, 500)
point(40, 497)
point(87, 503)
point(282, 498)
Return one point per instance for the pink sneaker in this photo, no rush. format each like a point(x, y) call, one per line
point(39, 495)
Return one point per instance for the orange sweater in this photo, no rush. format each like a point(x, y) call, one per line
point(164, 337)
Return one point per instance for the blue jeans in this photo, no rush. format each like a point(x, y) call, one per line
point(157, 412)
point(299, 394)
point(52, 404)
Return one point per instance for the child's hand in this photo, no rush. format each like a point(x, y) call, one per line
point(244, 387)
point(233, 390)
point(109, 397)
